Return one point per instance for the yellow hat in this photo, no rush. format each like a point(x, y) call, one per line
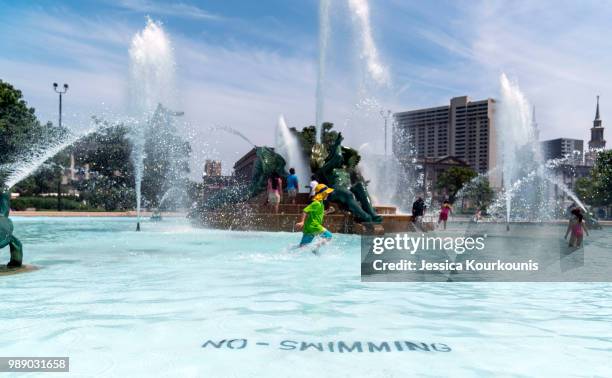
point(321, 192)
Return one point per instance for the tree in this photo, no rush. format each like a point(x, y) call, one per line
point(19, 126)
point(21, 134)
point(453, 180)
point(107, 153)
point(596, 189)
point(480, 192)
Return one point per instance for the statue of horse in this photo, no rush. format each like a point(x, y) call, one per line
point(6, 232)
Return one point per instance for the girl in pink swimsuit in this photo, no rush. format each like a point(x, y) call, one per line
point(577, 227)
point(444, 211)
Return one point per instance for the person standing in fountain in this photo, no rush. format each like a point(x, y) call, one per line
point(313, 185)
point(311, 223)
point(275, 187)
point(292, 185)
point(577, 227)
point(418, 210)
point(445, 210)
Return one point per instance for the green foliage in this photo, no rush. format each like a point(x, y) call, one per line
point(47, 203)
point(596, 190)
point(585, 190)
point(107, 152)
point(308, 137)
point(453, 180)
point(480, 192)
point(19, 126)
point(20, 131)
point(108, 193)
point(43, 181)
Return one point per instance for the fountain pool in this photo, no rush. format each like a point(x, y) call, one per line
point(140, 304)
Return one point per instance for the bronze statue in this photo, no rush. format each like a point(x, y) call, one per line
point(6, 231)
point(267, 162)
point(340, 171)
point(333, 164)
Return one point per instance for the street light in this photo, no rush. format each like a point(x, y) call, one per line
point(59, 182)
point(61, 92)
point(385, 116)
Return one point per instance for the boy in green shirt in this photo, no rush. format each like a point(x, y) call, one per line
point(312, 217)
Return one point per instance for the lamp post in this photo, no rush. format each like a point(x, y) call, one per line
point(59, 181)
point(61, 92)
point(385, 116)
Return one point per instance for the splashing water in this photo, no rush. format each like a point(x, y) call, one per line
point(324, 30)
point(27, 165)
point(232, 131)
point(518, 148)
point(179, 198)
point(288, 146)
point(36, 157)
point(152, 69)
point(369, 52)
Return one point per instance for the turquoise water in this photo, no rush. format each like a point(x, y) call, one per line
point(121, 303)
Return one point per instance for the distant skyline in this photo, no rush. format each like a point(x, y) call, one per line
point(242, 64)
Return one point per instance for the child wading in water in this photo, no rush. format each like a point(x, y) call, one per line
point(577, 227)
point(444, 211)
point(275, 187)
point(311, 223)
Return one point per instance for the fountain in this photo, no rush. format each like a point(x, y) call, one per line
point(241, 206)
point(24, 165)
point(519, 153)
point(527, 179)
point(360, 10)
point(324, 30)
point(231, 130)
point(287, 145)
point(151, 83)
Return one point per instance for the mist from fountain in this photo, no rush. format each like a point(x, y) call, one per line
point(179, 198)
point(288, 146)
point(324, 31)
point(152, 69)
point(391, 181)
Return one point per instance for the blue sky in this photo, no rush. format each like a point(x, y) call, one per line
point(243, 63)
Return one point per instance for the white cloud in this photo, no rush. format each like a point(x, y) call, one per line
point(236, 85)
point(560, 53)
point(167, 8)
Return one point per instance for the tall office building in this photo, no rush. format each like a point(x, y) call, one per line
point(561, 148)
point(463, 129)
